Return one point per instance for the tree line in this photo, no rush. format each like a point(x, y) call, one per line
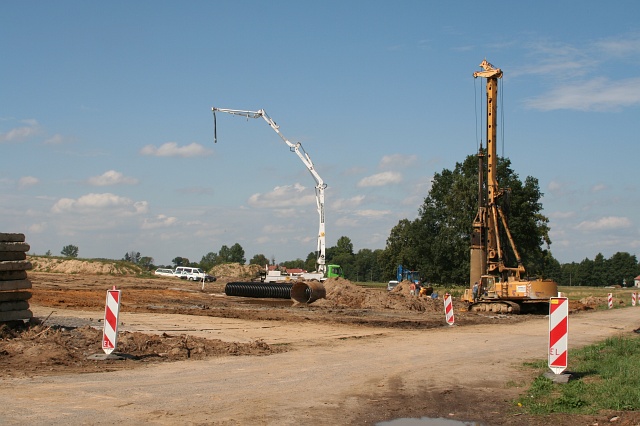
point(437, 242)
point(620, 269)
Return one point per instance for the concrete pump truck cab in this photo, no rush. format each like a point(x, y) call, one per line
point(493, 285)
point(323, 271)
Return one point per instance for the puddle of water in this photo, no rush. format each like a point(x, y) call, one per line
point(427, 421)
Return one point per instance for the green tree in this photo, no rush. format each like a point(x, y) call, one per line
point(623, 267)
point(224, 255)
point(568, 274)
point(366, 266)
point(584, 273)
point(259, 259)
point(208, 261)
point(235, 254)
point(69, 251)
point(342, 254)
point(180, 261)
point(132, 256)
point(293, 264)
point(146, 262)
point(402, 249)
point(310, 263)
point(599, 271)
point(552, 268)
point(619, 269)
point(344, 246)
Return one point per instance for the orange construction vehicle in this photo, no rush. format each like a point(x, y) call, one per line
point(493, 285)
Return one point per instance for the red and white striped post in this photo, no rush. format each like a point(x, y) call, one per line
point(558, 333)
point(111, 311)
point(634, 297)
point(448, 309)
point(610, 300)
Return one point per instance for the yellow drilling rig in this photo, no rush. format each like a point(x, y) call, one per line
point(494, 286)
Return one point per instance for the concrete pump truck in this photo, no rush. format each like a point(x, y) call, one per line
point(323, 271)
point(494, 286)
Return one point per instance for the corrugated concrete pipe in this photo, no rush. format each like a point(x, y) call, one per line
point(308, 292)
point(301, 292)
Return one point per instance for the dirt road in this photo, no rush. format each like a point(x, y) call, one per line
point(331, 374)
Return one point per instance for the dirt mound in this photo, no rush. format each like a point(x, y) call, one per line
point(236, 271)
point(342, 293)
point(76, 266)
point(26, 348)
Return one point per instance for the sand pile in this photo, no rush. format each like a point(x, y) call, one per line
point(76, 266)
point(342, 293)
point(236, 271)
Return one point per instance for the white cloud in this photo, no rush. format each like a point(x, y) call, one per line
point(598, 94)
point(396, 161)
point(347, 203)
point(22, 133)
point(276, 229)
point(355, 170)
point(37, 228)
point(282, 197)
point(370, 213)
point(54, 140)
point(160, 221)
point(91, 203)
point(171, 149)
point(620, 46)
point(604, 223)
point(111, 177)
point(413, 200)
point(550, 58)
point(598, 187)
point(562, 215)
point(381, 179)
point(27, 181)
point(347, 222)
point(558, 188)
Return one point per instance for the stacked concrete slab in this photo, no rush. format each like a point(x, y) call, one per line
point(14, 284)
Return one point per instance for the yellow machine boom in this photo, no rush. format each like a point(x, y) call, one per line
point(498, 287)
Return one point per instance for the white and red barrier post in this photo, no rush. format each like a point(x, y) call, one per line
point(558, 333)
point(610, 300)
point(448, 309)
point(111, 312)
point(634, 298)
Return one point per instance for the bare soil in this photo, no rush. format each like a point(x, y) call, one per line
point(193, 355)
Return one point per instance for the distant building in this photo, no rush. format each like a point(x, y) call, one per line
point(636, 281)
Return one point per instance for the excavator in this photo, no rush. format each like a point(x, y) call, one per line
point(493, 285)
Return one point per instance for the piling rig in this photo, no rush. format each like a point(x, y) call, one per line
point(493, 285)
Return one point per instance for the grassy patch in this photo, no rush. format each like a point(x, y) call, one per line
point(606, 376)
point(621, 296)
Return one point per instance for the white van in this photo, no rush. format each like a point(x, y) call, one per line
point(188, 273)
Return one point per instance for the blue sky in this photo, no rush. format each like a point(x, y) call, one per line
point(106, 131)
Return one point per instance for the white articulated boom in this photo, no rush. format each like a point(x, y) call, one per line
point(301, 153)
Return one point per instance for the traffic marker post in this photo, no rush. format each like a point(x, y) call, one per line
point(558, 333)
point(634, 298)
point(448, 309)
point(610, 300)
point(111, 312)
